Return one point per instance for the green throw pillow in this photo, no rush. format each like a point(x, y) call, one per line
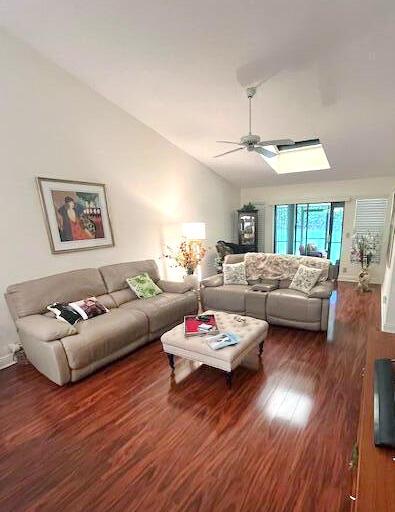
point(143, 286)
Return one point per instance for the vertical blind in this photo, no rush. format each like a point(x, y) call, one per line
point(370, 215)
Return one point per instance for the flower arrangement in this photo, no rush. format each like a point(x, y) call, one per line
point(364, 248)
point(188, 255)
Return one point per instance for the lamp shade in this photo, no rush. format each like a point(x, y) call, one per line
point(194, 230)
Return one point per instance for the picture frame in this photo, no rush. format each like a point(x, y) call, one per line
point(391, 235)
point(76, 214)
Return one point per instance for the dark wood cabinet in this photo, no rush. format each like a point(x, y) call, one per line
point(373, 486)
point(248, 229)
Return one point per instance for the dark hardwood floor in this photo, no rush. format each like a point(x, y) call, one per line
point(131, 439)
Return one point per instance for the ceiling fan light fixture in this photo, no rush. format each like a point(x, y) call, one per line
point(252, 142)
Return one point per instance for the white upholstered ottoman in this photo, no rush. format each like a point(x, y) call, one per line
point(252, 334)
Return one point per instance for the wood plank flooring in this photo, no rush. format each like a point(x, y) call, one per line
point(129, 438)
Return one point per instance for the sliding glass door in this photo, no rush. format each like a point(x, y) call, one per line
point(313, 229)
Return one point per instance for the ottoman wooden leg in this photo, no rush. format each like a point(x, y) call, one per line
point(228, 377)
point(261, 347)
point(170, 357)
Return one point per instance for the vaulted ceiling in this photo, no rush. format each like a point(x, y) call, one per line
point(326, 70)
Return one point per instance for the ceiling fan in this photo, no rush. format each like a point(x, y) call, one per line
point(253, 142)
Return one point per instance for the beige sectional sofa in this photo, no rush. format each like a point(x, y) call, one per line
point(270, 300)
point(65, 353)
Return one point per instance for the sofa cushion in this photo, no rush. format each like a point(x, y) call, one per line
point(256, 303)
point(234, 258)
point(174, 286)
point(107, 301)
point(32, 297)
point(293, 305)
point(322, 290)
point(44, 328)
point(115, 275)
point(227, 298)
point(98, 337)
point(216, 280)
point(264, 287)
point(164, 309)
point(122, 296)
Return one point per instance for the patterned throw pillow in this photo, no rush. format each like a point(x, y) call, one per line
point(64, 312)
point(234, 273)
point(89, 308)
point(143, 286)
point(305, 278)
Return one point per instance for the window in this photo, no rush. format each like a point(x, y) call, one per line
point(284, 215)
point(306, 155)
point(370, 215)
point(314, 229)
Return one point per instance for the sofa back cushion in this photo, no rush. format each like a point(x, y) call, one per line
point(122, 296)
point(115, 275)
point(32, 297)
point(234, 258)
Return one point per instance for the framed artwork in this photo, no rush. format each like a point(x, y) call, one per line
point(76, 215)
point(391, 234)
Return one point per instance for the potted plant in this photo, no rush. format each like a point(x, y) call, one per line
point(249, 207)
point(364, 248)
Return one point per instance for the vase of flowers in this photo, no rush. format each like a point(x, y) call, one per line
point(188, 256)
point(364, 248)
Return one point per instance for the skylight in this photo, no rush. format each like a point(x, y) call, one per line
point(302, 156)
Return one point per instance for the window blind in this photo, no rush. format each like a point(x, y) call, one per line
point(261, 225)
point(370, 215)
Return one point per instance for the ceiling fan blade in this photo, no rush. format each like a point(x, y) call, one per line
point(276, 142)
point(227, 152)
point(229, 142)
point(264, 152)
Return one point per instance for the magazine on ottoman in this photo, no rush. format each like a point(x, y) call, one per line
point(199, 325)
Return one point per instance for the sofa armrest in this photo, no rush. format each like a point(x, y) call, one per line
point(44, 328)
point(174, 286)
point(217, 280)
point(322, 290)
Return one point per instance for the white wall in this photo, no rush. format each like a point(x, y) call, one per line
point(53, 125)
point(348, 191)
point(388, 293)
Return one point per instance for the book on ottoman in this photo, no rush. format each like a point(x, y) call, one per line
point(198, 325)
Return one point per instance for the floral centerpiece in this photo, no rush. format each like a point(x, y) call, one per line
point(188, 255)
point(364, 248)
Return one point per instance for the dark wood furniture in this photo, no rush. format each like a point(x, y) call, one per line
point(373, 487)
point(248, 229)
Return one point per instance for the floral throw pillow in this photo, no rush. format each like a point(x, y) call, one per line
point(234, 273)
point(143, 286)
point(305, 279)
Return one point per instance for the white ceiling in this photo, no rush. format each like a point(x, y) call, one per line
point(326, 67)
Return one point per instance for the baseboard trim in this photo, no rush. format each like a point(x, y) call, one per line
point(6, 361)
point(347, 279)
point(354, 279)
point(386, 327)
